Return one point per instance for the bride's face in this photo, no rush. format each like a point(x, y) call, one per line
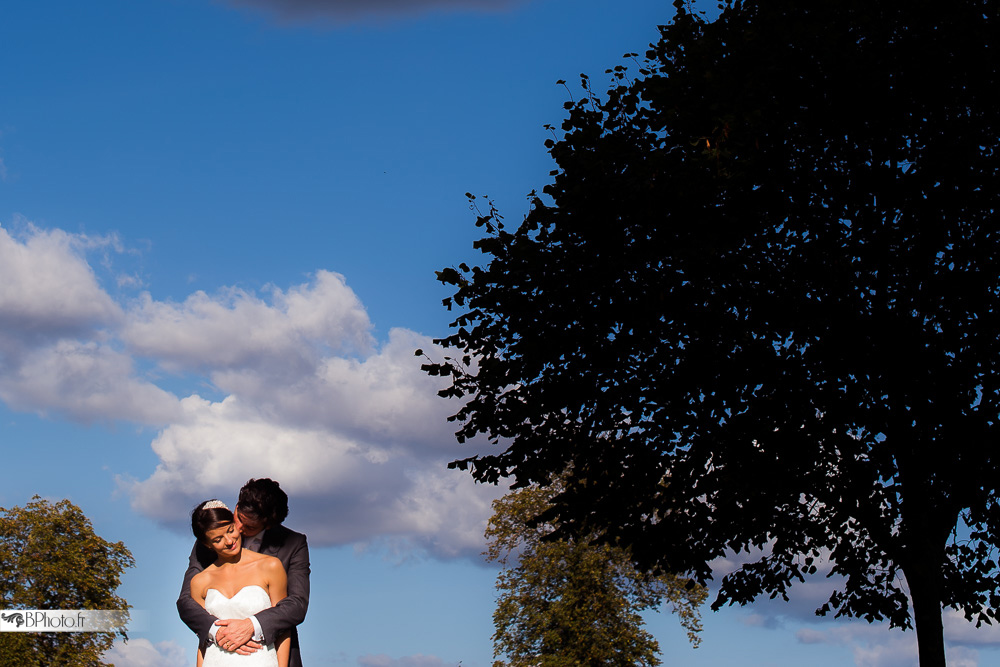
point(224, 540)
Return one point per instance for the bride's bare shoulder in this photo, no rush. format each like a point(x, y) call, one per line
point(262, 560)
point(269, 563)
point(200, 583)
point(272, 561)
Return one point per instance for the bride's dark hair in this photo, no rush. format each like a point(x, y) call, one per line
point(204, 519)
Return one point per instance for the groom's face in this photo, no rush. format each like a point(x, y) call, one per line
point(246, 525)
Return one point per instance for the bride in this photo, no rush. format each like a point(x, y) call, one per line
point(239, 584)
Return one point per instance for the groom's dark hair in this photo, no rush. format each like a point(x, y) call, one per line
point(263, 500)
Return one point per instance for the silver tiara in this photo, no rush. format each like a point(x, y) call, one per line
point(213, 504)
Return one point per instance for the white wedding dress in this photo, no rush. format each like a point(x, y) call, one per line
point(247, 602)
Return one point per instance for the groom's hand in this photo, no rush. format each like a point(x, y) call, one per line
point(235, 634)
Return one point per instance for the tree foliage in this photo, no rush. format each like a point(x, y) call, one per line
point(570, 602)
point(767, 270)
point(51, 559)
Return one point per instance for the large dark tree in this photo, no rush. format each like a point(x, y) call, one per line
point(758, 308)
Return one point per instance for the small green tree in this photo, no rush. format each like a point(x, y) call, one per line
point(51, 559)
point(573, 602)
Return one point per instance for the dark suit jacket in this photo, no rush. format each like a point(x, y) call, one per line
point(291, 549)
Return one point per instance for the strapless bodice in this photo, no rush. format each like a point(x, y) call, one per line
point(245, 603)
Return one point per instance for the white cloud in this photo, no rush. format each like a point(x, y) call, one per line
point(961, 656)
point(138, 652)
point(235, 329)
point(47, 288)
point(361, 446)
point(298, 389)
point(355, 432)
point(218, 446)
point(874, 644)
point(961, 632)
point(383, 398)
point(896, 651)
point(769, 621)
point(877, 646)
point(57, 325)
point(86, 381)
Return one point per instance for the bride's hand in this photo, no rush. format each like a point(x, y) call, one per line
point(248, 648)
point(235, 635)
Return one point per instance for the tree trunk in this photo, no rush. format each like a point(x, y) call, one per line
point(926, 583)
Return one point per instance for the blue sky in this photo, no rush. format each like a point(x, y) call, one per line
point(219, 226)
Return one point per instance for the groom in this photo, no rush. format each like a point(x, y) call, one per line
point(261, 508)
